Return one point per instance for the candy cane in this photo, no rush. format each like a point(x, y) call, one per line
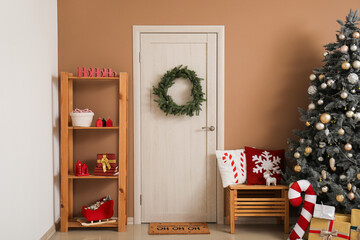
point(233, 165)
point(308, 207)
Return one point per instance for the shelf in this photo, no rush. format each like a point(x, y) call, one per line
point(74, 223)
point(94, 128)
point(94, 78)
point(72, 176)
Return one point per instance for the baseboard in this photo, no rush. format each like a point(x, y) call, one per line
point(49, 233)
point(130, 220)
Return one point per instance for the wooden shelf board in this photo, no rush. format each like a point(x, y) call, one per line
point(75, 224)
point(93, 78)
point(94, 128)
point(72, 176)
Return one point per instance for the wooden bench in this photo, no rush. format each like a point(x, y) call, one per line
point(256, 201)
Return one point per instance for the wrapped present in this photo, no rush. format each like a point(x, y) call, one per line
point(342, 217)
point(323, 229)
point(324, 212)
point(106, 165)
point(355, 224)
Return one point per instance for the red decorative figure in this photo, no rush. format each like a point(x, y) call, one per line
point(109, 123)
point(111, 73)
point(81, 169)
point(99, 123)
point(104, 72)
point(82, 73)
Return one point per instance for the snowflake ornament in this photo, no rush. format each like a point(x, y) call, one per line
point(266, 162)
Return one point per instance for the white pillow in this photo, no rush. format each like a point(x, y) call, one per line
point(232, 166)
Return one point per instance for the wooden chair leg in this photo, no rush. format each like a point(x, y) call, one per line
point(286, 217)
point(232, 211)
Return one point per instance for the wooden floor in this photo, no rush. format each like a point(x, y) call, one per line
point(217, 232)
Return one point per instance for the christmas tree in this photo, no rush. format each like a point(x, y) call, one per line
point(328, 150)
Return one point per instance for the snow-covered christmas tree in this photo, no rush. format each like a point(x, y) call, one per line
point(328, 150)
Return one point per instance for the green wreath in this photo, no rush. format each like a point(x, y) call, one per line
point(165, 101)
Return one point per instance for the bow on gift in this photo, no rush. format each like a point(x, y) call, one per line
point(105, 163)
point(356, 229)
point(326, 235)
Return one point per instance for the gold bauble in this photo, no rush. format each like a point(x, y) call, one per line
point(349, 186)
point(308, 124)
point(323, 174)
point(348, 147)
point(321, 76)
point(341, 131)
point(345, 65)
point(356, 35)
point(325, 189)
point(351, 195)
point(358, 176)
point(297, 168)
point(296, 155)
point(340, 198)
point(308, 150)
point(325, 118)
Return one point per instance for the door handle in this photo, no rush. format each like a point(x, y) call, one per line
point(211, 128)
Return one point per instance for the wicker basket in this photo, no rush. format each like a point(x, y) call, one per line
point(81, 119)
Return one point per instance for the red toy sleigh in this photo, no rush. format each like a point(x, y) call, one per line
point(103, 212)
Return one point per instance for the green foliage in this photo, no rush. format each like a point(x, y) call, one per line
point(165, 101)
point(347, 163)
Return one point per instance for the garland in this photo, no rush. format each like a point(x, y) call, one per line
point(165, 101)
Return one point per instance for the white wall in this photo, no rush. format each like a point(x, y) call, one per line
point(28, 92)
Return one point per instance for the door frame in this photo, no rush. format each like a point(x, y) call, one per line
point(137, 31)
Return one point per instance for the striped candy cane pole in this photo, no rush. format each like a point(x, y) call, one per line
point(308, 207)
point(236, 177)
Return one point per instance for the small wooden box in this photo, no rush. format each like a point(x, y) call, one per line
point(256, 201)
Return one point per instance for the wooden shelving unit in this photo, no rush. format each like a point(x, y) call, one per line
point(67, 151)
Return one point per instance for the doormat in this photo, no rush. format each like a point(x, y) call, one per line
point(178, 228)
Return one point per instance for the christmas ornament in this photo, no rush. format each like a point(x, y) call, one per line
point(342, 36)
point(354, 189)
point(356, 64)
point(353, 91)
point(340, 198)
point(358, 176)
point(357, 116)
point(349, 186)
point(307, 124)
point(320, 159)
point(297, 168)
point(332, 164)
point(326, 53)
point(325, 118)
point(104, 122)
point(109, 123)
point(320, 102)
point(348, 147)
point(312, 77)
point(344, 49)
point(349, 114)
point(302, 140)
point(349, 155)
point(81, 169)
point(297, 155)
point(330, 82)
point(311, 106)
point(353, 78)
point(165, 101)
point(321, 76)
point(320, 126)
point(351, 195)
point(345, 65)
point(323, 85)
point(308, 206)
point(323, 174)
point(352, 109)
point(342, 177)
point(325, 189)
point(356, 35)
point(327, 132)
point(341, 131)
point(308, 150)
point(99, 123)
point(322, 144)
point(353, 47)
point(343, 95)
point(312, 90)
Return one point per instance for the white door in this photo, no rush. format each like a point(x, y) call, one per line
point(178, 165)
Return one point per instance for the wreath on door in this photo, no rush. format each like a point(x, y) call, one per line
point(166, 102)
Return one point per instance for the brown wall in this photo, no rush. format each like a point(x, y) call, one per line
point(270, 49)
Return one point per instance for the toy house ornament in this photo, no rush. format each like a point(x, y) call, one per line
point(99, 123)
point(109, 123)
point(106, 165)
point(81, 169)
point(104, 122)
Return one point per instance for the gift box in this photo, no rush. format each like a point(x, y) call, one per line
point(324, 212)
point(106, 165)
point(321, 229)
point(342, 217)
point(355, 224)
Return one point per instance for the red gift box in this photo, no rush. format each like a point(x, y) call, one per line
point(105, 211)
point(106, 165)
